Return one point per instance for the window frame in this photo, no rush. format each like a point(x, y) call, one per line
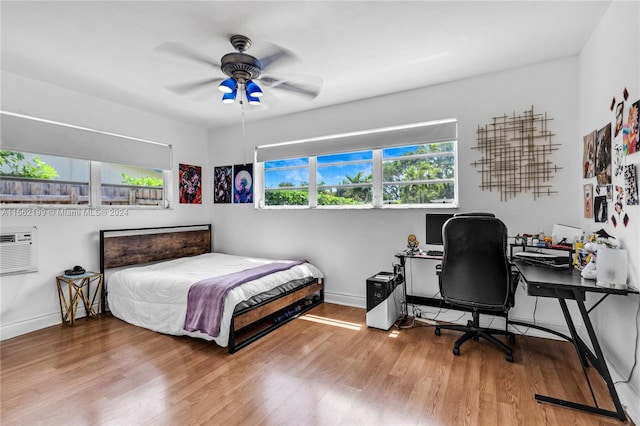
point(34, 135)
point(454, 152)
point(377, 199)
point(95, 194)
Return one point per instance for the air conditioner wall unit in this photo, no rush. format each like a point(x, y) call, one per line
point(18, 250)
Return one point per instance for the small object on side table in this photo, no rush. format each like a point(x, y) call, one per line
point(78, 288)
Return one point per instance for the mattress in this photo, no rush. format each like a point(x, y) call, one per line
point(155, 296)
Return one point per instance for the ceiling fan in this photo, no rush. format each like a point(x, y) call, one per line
point(242, 71)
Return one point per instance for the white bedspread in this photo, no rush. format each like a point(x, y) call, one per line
point(155, 296)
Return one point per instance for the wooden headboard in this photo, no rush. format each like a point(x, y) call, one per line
point(124, 247)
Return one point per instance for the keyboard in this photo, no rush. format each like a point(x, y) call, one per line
point(435, 253)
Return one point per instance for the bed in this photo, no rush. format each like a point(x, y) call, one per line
point(169, 280)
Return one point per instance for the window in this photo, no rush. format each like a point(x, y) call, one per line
point(345, 179)
point(131, 185)
point(419, 174)
point(28, 178)
point(46, 162)
point(286, 182)
point(412, 165)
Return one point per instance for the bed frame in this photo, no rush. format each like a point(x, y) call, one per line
point(133, 246)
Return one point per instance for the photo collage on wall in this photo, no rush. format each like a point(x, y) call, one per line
point(606, 157)
point(233, 184)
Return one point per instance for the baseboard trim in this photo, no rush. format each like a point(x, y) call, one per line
point(345, 299)
point(18, 328)
point(629, 398)
point(8, 331)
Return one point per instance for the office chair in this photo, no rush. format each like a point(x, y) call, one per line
point(476, 275)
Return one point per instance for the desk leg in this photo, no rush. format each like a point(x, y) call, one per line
point(404, 306)
point(597, 361)
point(577, 342)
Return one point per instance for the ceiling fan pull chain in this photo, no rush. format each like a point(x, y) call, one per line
point(244, 151)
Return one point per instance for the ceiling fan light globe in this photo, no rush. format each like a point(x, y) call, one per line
point(229, 98)
point(228, 86)
point(253, 89)
point(253, 100)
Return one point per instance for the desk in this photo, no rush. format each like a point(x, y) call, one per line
point(435, 302)
point(418, 300)
point(567, 284)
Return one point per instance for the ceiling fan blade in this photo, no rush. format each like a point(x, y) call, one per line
point(193, 86)
point(310, 90)
point(186, 52)
point(278, 54)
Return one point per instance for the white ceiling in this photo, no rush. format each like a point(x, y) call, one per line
point(356, 49)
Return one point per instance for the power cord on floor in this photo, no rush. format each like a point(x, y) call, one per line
point(635, 355)
point(535, 308)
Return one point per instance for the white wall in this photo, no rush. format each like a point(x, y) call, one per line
point(30, 301)
point(609, 63)
point(351, 245)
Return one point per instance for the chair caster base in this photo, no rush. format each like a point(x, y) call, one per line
point(456, 351)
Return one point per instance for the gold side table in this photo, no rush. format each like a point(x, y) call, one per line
point(78, 288)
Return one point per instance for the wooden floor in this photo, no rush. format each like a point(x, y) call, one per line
point(326, 368)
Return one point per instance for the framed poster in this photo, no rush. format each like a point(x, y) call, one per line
point(633, 124)
point(589, 155)
point(603, 155)
point(600, 208)
point(631, 185)
point(222, 188)
point(588, 200)
point(189, 184)
point(243, 184)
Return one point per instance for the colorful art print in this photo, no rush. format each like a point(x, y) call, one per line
point(625, 139)
point(243, 183)
point(589, 155)
point(588, 200)
point(190, 184)
point(600, 208)
point(222, 187)
point(634, 127)
point(631, 185)
point(603, 155)
point(619, 111)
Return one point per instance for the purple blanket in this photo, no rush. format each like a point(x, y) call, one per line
point(205, 302)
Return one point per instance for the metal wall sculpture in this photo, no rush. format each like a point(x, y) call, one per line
point(516, 155)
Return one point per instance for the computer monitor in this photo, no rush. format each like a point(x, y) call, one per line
point(434, 223)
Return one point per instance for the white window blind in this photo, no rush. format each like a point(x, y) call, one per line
point(403, 135)
point(39, 136)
